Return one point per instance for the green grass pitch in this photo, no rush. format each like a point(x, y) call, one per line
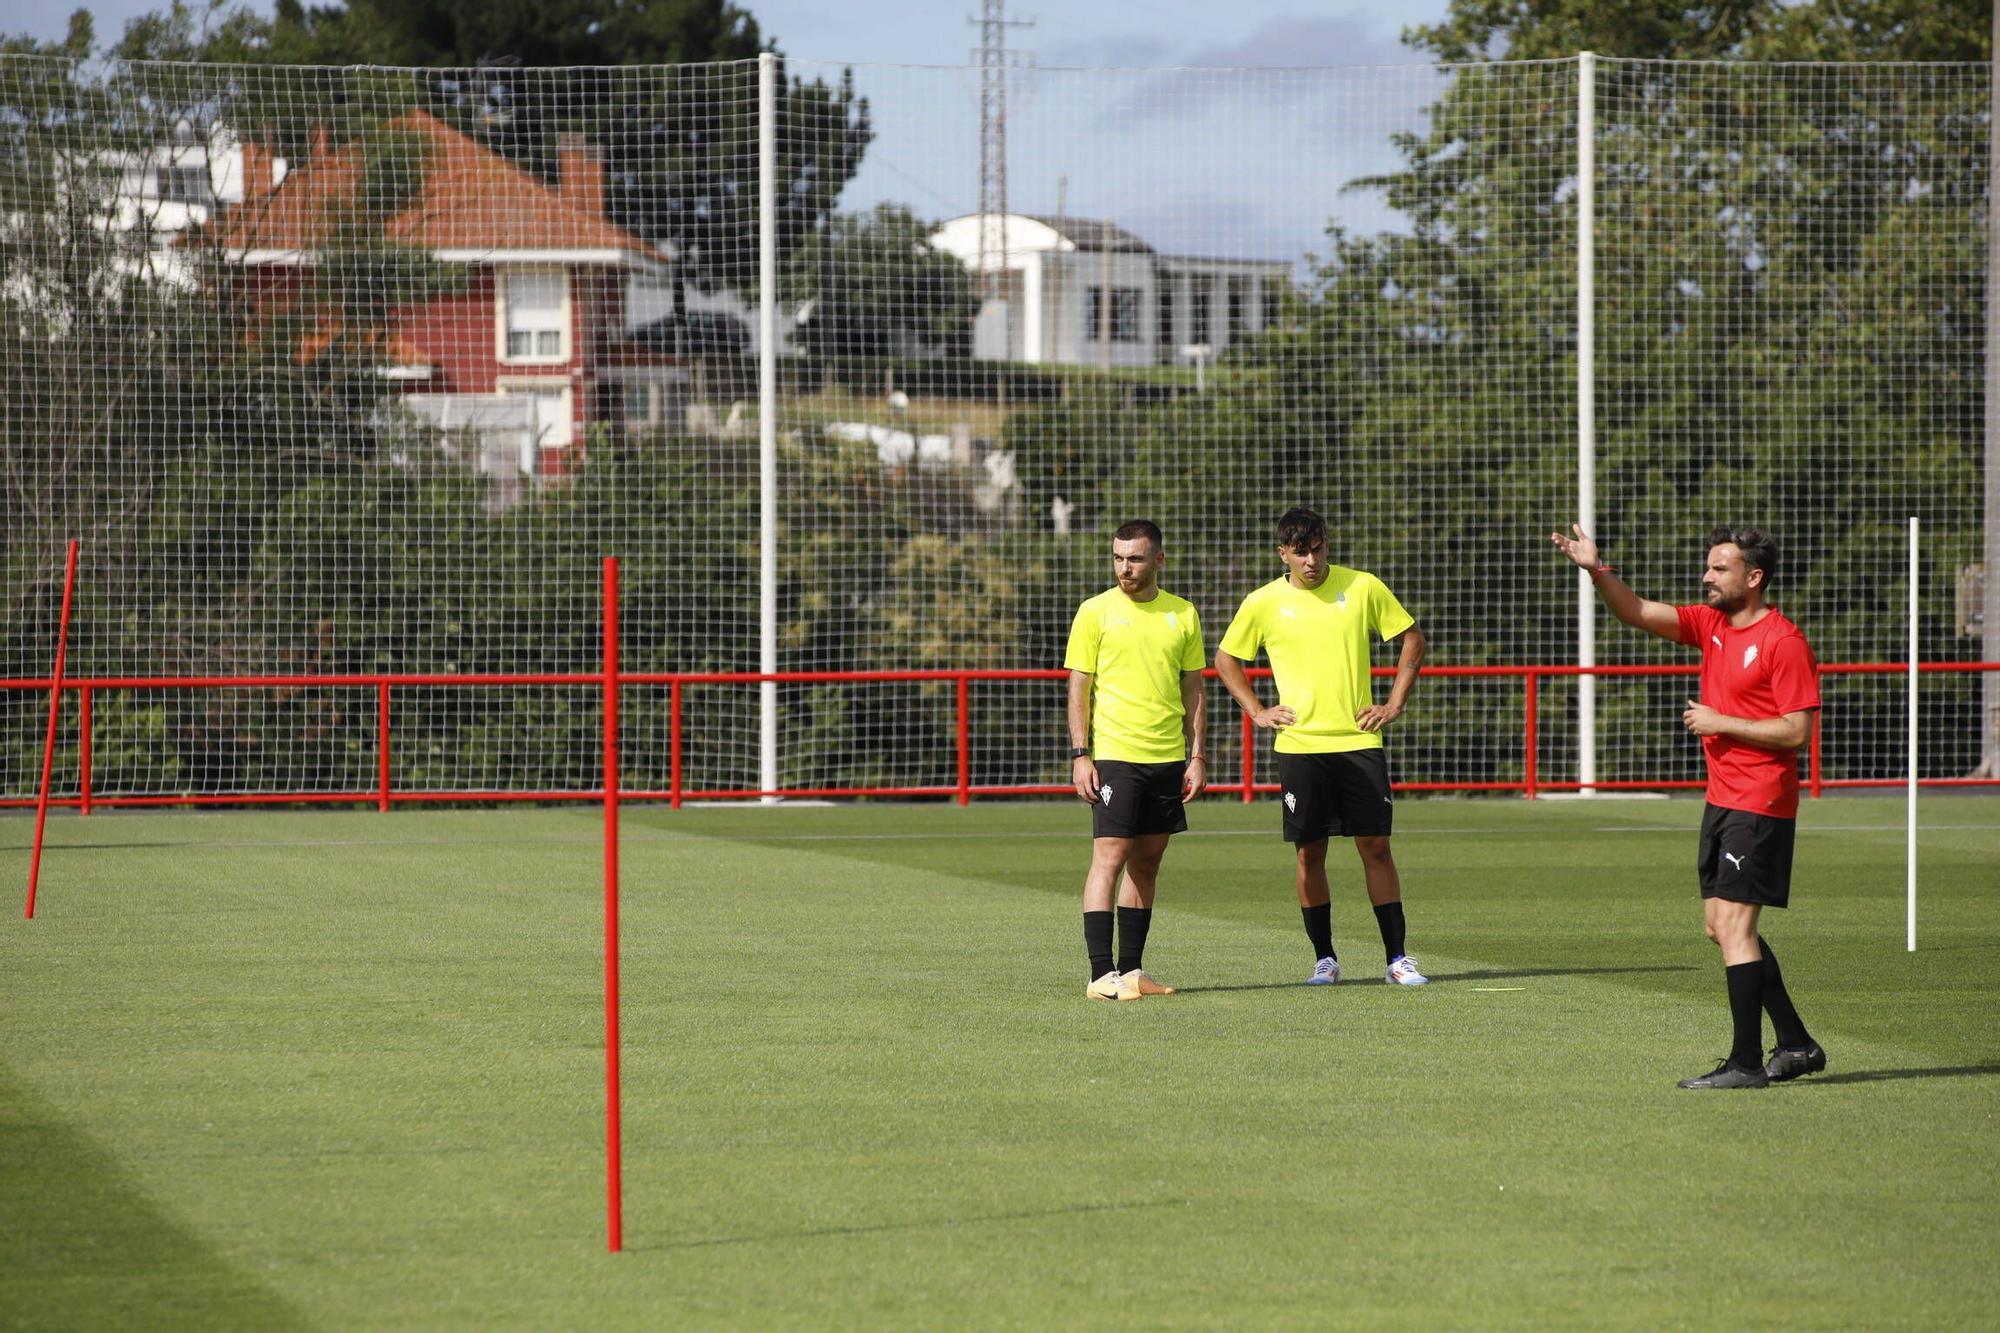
point(344, 1070)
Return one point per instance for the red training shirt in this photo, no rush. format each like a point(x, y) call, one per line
point(1762, 671)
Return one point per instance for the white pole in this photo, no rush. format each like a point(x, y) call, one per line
point(1586, 408)
point(767, 417)
point(1911, 816)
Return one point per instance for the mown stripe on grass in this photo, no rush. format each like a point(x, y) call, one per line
point(86, 1248)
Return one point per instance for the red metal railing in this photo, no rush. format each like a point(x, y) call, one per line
point(677, 792)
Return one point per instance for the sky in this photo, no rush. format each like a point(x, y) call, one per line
point(1206, 128)
point(1229, 144)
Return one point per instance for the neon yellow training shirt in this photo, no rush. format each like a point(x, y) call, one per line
point(1136, 652)
point(1318, 643)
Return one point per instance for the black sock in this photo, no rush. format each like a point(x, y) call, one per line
point(1097, 942)
point(1389, 916)
point(1788, 1028)
point(1133, 922)
point(1746, 1008)
point(1319, 929)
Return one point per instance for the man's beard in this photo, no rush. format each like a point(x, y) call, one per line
point(1729, 606)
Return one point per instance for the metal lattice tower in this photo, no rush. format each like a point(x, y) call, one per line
point(994, 61)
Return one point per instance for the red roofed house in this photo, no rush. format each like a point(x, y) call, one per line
point(541, 317)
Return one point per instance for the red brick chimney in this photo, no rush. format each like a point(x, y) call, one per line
point(257, 170)
point(580, 174)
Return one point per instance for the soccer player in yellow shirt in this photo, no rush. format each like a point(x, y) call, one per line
point(1315, 624)
point(1136, 716)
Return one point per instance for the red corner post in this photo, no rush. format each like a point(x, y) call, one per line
point(1531, 729)
point(382, 746)
point(674, 744)
point(49, 739)
point(83, 750)
point(964, 740)
point(613, 1165)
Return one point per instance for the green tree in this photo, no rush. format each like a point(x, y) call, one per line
point(878, 288)
point(162, 405)
point(1730, 30)
point(1788, 282)
point(467, 33)
point(680, 143)
point(1789, 300)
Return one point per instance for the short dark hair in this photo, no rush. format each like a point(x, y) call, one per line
point(1759, 551)
point(1141, 527)
point(1300, 529)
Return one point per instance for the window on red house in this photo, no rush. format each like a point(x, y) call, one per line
point(535, 308)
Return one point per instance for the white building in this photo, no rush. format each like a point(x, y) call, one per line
point(163, 191)
point(1059, 270)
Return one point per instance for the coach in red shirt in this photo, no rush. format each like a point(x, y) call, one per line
point(1759, 689)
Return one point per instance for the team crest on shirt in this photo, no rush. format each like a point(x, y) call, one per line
point(1749, 655)
point(1341, 601)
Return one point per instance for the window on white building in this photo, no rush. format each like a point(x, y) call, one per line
point(1125, 302)
point(185, 185)
point(534, 316)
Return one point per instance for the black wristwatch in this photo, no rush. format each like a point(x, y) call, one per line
point(1077, 752)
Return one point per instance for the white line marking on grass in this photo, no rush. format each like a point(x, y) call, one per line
point(957, 835)
point(231, 844)
point(1495, 990)
point(1806, 826)
point(1080, 831)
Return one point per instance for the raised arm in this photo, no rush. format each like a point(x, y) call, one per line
point(1653, 617)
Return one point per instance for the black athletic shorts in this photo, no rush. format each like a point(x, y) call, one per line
point(1340, 795)
point(1136, 799)
point(1746, 858)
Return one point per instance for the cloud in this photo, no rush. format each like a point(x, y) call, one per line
point(1215, 226)
point(1257, 64)
point(1272, 225)
point(1125, 50)
point(1294, 41)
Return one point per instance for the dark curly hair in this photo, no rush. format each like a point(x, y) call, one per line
point(1300, 529)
